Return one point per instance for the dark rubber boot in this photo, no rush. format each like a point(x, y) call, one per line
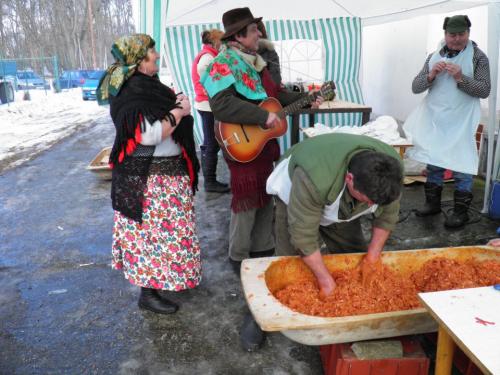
point(151, 300)
point(236, 266)
point(262, 254)
point(209, 168)
point(460, 215)
point(214, 186)
point(251, 336)
point(432, 200)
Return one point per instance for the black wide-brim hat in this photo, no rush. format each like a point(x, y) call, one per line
point(236, 19)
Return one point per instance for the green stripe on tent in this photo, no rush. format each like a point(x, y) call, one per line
point(157, 16)
point(181, 57)
point(343, 63)
point(329, 51)
point(290, 31)
point(143, 16)
point(296, 30)
point(302, 34)
point(350, 72)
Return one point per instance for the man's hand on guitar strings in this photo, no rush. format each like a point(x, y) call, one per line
point(272, 120)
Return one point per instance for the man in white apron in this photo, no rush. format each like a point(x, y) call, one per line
point(323, 186)
point(443, 127)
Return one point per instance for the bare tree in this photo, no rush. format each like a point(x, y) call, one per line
point(62, 28)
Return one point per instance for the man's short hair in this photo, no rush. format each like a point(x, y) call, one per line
point(377, 175)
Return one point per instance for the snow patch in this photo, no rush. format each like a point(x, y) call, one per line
point(30, 127)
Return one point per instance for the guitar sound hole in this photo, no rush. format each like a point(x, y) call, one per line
point(245, 133)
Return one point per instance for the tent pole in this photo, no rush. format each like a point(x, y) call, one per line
point(493, 44)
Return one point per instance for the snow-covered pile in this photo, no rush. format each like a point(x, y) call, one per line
point(29, 127)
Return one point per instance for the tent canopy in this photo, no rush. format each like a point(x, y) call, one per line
point(209, 13)
point(373, 12)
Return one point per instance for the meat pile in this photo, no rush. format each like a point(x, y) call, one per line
point(387, 289)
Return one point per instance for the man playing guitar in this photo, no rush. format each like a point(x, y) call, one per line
point(236, 82)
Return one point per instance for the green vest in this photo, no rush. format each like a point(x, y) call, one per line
point(325, 159)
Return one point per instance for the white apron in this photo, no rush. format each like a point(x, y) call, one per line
point(279, 184)
point(443, 126)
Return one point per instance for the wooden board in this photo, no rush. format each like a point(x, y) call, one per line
point(99, 165)
point(271, 315)
point(337, 103)
point(472, 318)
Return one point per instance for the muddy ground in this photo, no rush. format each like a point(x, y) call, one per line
point(63, 310)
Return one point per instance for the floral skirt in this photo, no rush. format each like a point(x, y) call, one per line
point(163, 252)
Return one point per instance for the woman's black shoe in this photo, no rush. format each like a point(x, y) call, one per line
point(151, 300)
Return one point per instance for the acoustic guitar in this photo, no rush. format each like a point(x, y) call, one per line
point(244, 142)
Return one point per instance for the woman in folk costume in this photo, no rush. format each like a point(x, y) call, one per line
point(209, 149)
point(155, 169)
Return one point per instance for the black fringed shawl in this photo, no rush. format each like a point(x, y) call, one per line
point(143, 97)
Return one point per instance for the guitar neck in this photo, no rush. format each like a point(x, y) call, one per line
point(295, 106)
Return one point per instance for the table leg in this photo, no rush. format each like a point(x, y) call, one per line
point(295, 129)
point(366, 117)
point(444, 356)
point(402, 150)
point(311, 120)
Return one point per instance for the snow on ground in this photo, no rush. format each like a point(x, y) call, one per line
point(30, 127)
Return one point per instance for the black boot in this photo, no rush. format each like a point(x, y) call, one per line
point(236, 266)
point(262, 254)
point(251, 336)
point(209, 167)
point(432, 200)
point(151, 300)
point(459, 216)
point(214, 186)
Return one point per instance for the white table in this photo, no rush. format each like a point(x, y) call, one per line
point(469, 318)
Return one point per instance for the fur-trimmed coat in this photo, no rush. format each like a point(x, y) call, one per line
point(269, 54)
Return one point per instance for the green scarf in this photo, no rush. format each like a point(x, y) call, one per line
point(128, 52)
point(234, 67)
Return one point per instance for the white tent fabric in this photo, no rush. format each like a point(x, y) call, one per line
point(371, 12)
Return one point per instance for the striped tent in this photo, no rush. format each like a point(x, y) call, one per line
point(342, 44)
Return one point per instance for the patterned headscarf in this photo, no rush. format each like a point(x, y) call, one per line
point(128, 52)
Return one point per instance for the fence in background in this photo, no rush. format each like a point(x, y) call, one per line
point(29, 73)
